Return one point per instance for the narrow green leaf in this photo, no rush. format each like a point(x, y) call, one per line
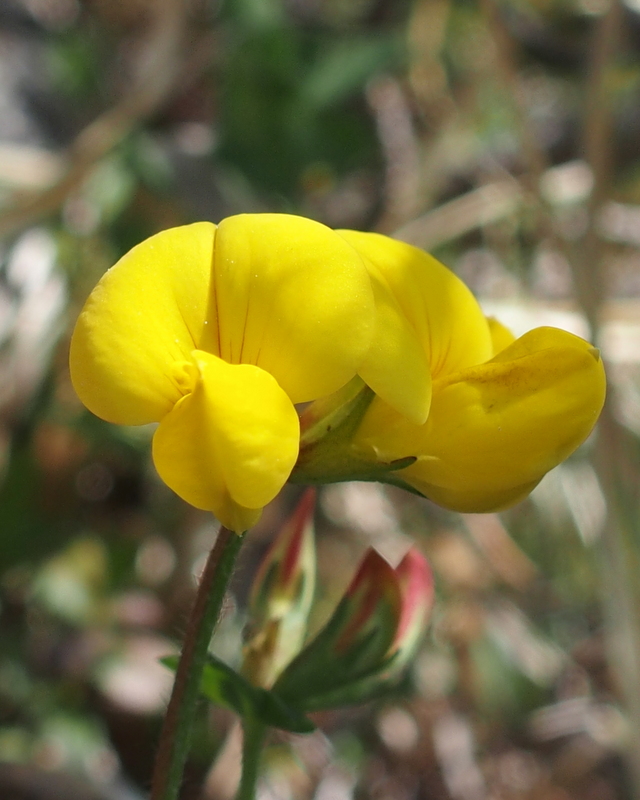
point(275, 712)
point(225, 687)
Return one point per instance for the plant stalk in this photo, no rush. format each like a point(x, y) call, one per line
point(254, 733)
point(178, 722)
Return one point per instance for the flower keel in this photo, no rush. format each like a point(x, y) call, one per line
point(230, 443)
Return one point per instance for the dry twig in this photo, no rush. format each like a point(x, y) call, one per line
point(156, 72)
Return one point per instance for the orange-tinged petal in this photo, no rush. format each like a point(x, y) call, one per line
point(494, 430)
point(146, 313)
point(442, 311)
point(292, 297)
point(230, 444)
point(416, 584)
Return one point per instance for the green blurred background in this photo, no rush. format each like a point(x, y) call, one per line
point(502, 136)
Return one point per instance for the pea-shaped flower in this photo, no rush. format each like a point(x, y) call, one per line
point(503, 412)
point(216, 333)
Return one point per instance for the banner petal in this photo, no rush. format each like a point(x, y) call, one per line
point(292, 297)
point(146, 313)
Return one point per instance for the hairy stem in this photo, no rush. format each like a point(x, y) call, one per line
point(178, 722)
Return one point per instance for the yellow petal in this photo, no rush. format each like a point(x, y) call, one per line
point(501, 336)
point(396, 367)
point(292, 297)
point(442, 311)
point(494, 430)
point(146, 313)
point(230, 444)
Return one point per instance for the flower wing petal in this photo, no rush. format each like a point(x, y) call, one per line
point(292, 297)
point(146, 313)
point(494, 430)
point(442, 311)
point(230, 444)
point(396, 367)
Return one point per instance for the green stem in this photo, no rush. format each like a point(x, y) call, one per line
point(178, 722)
point(254, 733)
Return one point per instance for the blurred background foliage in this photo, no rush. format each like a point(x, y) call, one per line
point(503, 135)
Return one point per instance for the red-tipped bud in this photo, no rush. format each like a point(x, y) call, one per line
point(287, 571)
point(373, 598)
point(371, 636)
point(281, 596)
point(415, 580)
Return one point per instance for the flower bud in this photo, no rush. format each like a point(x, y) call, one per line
point(416, 588)
point(370, 638)
point(281, 596)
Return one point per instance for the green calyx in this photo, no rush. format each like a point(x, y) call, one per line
point(327, 454)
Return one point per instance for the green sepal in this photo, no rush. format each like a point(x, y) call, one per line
point(328, 426)
point(326, 432)
point(225, 687)
point(352, 469)
point(319, 672)
point(368, 687)
point(372, 685)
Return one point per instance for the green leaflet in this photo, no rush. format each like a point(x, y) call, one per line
point(225, 687)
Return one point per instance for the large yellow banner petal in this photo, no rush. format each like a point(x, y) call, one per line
point(494, 430)
point(292, 297)
point(146, 313)
point(229, 445)
point(443, 312)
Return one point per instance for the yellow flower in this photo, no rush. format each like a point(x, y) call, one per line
point(503, 412)
point(216, 332)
